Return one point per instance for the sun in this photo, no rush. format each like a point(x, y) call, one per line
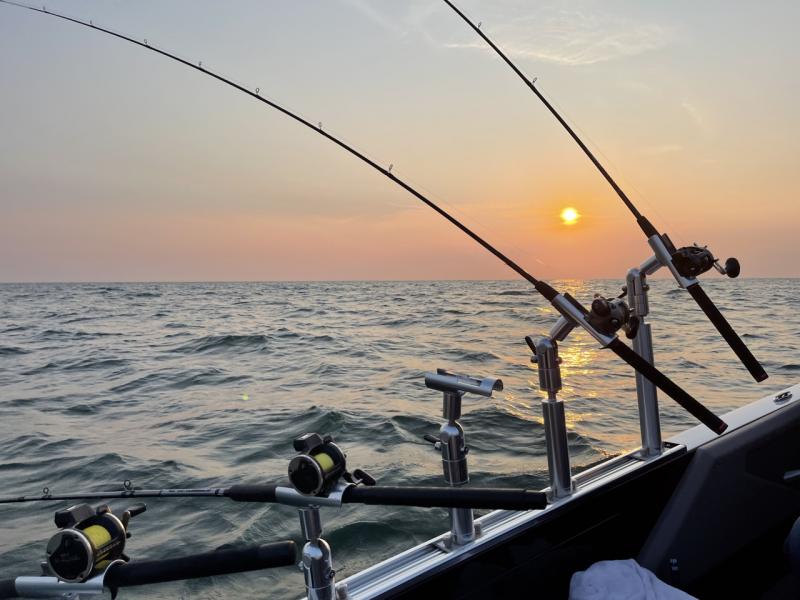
point(570, 216)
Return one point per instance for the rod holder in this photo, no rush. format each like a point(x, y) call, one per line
point(452, 443)
point(646, 393)
point(545, 356)
point(317, 562)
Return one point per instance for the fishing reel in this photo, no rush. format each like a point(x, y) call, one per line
point(89, 541)
point(319, 466)
point(609, 315)
point(694, 260)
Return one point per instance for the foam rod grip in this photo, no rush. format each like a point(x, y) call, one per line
point(252, 493)
point(221, 562)
point(670, 388)
point(446, 497)
point(727, 332)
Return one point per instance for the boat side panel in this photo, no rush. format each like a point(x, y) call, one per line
point(731, 498)
point(610, 523)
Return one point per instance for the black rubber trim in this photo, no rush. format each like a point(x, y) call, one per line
point(252, 493)
point(8, 589)
point(726, 331)
point(665, 384)
point(446, 497)
point(221, 562)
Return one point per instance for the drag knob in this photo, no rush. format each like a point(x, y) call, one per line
point(732, 267)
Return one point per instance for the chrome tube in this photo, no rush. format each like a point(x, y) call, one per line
point(454, 465)
point(646, 392)
point(316, 562)
point(555, 422)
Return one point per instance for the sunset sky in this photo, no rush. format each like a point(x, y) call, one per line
point(119, 165)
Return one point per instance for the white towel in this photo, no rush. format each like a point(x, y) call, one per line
point(621, 580)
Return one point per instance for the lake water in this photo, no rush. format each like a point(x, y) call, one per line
point(197, 385)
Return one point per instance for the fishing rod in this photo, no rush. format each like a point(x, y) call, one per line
point(318, 476)
point(565, 304)
point(686, 263)
point(420, 496)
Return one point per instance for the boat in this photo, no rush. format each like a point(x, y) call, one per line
point(708, 511)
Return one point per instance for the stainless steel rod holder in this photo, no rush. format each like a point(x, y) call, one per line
point(452, 444)
point(316, 562)
point(454, 464)
point(555, 423)
point(646, 392)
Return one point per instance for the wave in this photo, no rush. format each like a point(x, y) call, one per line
point(12, 351)
point(213, 344)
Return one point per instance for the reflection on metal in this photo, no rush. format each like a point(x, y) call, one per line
point(646, 393)
point(555, 424)
point(428, 559)
point(316, 562)
point(452, 443)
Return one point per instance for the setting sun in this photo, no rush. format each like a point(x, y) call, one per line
point(570, 216)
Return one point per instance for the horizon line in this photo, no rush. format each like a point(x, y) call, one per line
point(201, 281)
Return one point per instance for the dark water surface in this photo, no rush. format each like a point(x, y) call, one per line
point(195, 385)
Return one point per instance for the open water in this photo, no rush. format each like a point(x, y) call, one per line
point(198, 385)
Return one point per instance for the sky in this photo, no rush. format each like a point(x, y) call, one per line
point(119, 165)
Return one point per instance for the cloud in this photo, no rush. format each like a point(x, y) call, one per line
point(696, 116)
point(376, 15)
point(570, 36)
point(663, 149)
point(575, 32)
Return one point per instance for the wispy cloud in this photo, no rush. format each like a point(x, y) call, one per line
point(376, 15)
point(696, 115)
point(662, 149)
point(575, 32)
point(570, 36)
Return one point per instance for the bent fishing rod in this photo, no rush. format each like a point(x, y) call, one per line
point(686, 263)
point(565, 304)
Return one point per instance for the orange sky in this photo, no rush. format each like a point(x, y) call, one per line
point(118, 165)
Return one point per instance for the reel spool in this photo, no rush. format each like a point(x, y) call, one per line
point(90, 539)
point(318, 468)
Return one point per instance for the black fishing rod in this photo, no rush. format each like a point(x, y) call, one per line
point(568, 306)
point(685, 264)
point(318, 476)
point(420, 496)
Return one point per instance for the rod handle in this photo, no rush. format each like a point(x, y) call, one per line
point(252, 493)
point(726, 331)
point(446, 497)
point(669, 387)
point(221, 562)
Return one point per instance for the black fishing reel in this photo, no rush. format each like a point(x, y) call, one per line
point(320, 465)
point(609, 315)
point(89, 541)
point(692, 261)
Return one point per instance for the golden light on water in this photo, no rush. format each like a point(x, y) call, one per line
point(570, 216)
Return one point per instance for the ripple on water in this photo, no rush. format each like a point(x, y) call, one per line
point(258, 364)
